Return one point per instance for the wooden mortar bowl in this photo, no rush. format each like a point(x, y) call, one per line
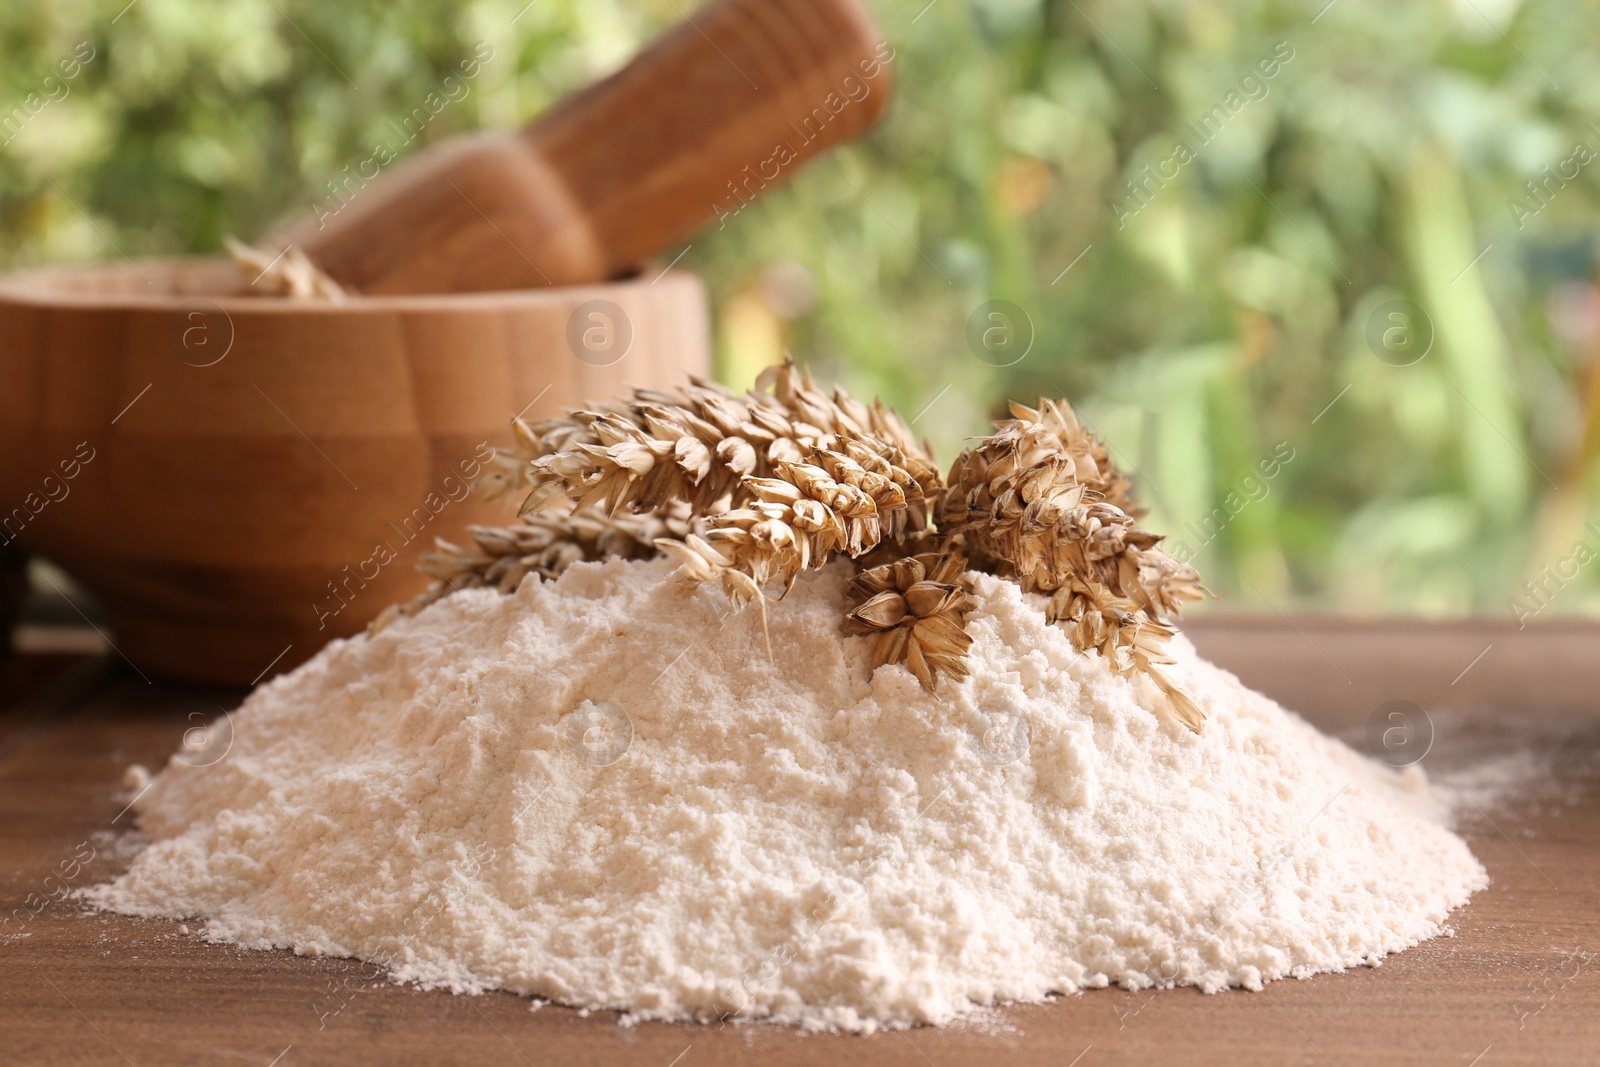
point(241, 478)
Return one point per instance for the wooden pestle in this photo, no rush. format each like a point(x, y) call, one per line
point(722, 106)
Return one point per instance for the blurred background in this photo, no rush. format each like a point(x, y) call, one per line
point(1323, 275)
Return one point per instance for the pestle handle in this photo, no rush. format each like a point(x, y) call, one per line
point(725, 105)
point(728, 103)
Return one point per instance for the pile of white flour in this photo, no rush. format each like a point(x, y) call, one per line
point(599, 791)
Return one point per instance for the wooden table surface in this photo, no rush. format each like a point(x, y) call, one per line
point(1518, 983)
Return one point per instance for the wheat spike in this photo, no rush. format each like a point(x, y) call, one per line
point(1040, 501)
point(781, 481)
point(751, 491)
point(702, 445)
point(287, 273)
point(916, 607)
point(500, 557)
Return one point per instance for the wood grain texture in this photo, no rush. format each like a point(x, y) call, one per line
point(269, 482)
point(1508, 988)
point(733, 99)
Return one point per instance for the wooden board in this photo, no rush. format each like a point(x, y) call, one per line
point(1519, 983)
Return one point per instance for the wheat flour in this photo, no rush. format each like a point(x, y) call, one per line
point(599, 791)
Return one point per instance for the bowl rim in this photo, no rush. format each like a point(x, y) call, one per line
point(33, 288)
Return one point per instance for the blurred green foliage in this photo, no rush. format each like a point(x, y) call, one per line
point(1206, 324)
